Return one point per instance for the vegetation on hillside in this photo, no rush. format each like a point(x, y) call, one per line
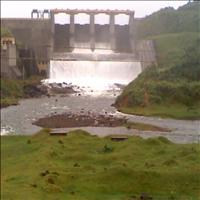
point(84, 167)
point(168, 20)
point(172, 88)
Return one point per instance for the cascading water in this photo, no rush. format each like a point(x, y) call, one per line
point(93, 75)
point(96, 72)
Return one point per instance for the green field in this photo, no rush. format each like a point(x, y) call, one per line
point(83, 167)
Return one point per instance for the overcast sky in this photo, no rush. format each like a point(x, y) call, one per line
point(23, 9)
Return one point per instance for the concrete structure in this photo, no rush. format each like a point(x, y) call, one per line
point(9, 67)
point(7, 40)
point(92, 13)
point(42, 66)
point(41, 36)
point(71, 31)
point(146, 53)
point(40, 13)
point(33, 34)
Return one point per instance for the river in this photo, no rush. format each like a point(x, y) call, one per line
point(18, 119)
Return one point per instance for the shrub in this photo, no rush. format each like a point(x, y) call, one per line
point(6, 33)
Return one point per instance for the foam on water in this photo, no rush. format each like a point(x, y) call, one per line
point(6, 130)
point(95, 76)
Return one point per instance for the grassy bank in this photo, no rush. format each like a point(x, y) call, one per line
point(12, 90)
point(171, 89)
point(144, 127)
point(176, 111)
point(84, 167)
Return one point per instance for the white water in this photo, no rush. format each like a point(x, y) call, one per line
point(93, 75)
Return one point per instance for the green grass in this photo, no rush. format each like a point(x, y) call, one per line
point(170, 48)
point(79, 166)
point(12, 89)
point(11, 92)
point(142, 126)
point(177, 111)
point(8, 102)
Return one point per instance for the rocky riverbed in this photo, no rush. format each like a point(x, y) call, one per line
point(68, 120)
point(89, 119)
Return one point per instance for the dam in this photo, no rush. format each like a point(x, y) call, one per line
point(91, 55)
point(95, 36)
point(90, 51)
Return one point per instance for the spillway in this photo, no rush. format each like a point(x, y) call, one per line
point(95, 75)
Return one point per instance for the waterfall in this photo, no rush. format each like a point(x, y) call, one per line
point(96, 75)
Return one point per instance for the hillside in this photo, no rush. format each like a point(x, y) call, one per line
point(172, 88)
point(168, 20)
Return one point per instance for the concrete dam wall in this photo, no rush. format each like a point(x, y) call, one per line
point(82, 38)
point(45, 38)
point(35, 34)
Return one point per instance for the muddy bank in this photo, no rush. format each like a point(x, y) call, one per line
point(5, 104)
point(28, 91)
point(69, 120)
point(89, 119)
